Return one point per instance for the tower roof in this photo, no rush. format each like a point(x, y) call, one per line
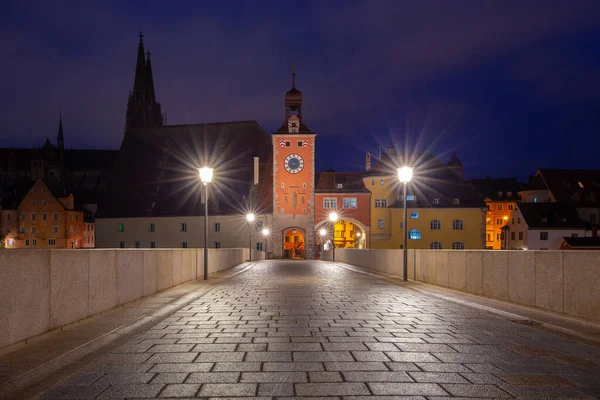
point(454, 161)
point(293, 93)
point(140, 68)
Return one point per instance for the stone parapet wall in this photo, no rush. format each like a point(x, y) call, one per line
point(41, 290)
point(565, 282)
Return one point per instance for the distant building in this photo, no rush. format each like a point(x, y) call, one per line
point(42, 220)
point(500, 196)
point(542, 226)
point(444, 211)
point(345, 194)
point(580, 243)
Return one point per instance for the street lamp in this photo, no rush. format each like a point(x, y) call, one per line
point(206, 175)
point(250, 218)
point(405, 174)
point(332, 218)
point(266, 233)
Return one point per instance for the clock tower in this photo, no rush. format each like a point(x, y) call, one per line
point(293, 182)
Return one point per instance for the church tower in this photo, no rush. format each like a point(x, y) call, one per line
point(293, 182)
point(60, 140)
point(142, 109)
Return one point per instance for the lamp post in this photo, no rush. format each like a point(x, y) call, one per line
point(266, 233)
point(332, 218)
point(206, 175)
point(323, 233)
point(405, 175)
point(250, 218)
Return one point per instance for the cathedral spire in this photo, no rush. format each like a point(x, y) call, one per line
point(149, 78)
point(60, 141)
point(140, 68)
point(293, 76)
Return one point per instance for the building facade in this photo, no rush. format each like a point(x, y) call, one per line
point(43, 221)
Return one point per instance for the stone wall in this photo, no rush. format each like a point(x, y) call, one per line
point(41, 290)
point(565, 282)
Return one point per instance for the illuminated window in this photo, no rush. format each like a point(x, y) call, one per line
point(350, 202)
point(435, 245)
point(330, 203)
point(381, 181)
point(121, 227)
point(436, 201)
point(410, 197)
point(414, 215)
point(435, 225)
point(458, 246)
point(380, 223)
point(580, 184)
point(414, 234)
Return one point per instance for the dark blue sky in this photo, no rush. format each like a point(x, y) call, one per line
point(510, 86)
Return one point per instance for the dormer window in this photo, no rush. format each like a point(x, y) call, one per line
point(544, 219)
point(294, 124)
point(508, 194)
point(456, 201)
point(576, 198)
point(339, 185)
point(580, 184)
point(499, 194)
point(563, 219)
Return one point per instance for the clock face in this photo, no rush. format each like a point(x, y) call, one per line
point(293, 163)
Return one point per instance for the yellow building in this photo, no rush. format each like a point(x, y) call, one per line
point(444, 212)
point(500, 196)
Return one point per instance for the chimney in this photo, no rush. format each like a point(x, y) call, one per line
point(368, 162)
point(256, 169)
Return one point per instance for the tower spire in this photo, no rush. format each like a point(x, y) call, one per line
point(293, 76)
point(60, 141)
point(140, 68)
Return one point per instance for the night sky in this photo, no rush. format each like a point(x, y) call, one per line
point(510, 86)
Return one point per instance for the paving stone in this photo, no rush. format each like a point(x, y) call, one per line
point(132, 391)
point(182, 367)
point(536, 380)
point(470, 390)
point(180, 390)
point(213, 377)
point(207, 348)
point(332, 389)
point(252, 347)
point(404, 389)
point(411, 357)
point(320, 356)
point(295, 366)
point(442, 367)
point(375, 346)
point(437, 377)
point(324, 377)
point(220, 357)
point(227, 389)
point(276, 389)
point(73, 392)
point(170, 377)
point(381, 376)
point(237, 366)
point(125, 378)
point(294, 347)
point(269, 356)
point(370, 356)
point(160, 358)
point(171, 348)
point(355, 366)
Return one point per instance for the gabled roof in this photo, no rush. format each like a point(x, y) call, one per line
point(156, 173)
point(579, 187)
point(551, 215)
point(491, 187)
point(535, 183)
point(455, 161)
point(340, 182)
point(582, 242)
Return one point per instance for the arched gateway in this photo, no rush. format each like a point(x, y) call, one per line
point(294, 243)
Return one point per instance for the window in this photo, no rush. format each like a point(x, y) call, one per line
point(22, 229)
point(489, 237)
point(152, 245)
point(435, 225)
point(259, 246)
point(33, 216)
point(34, 242)
point(44, 202)
point(377, 203)
point(456, 201)
point(55, 229)
point(414, 234)
point(22, 216)
point(71, 216)
point(137, 245)
point(44, 216)
point(56, 216)
point(288, 144)
point(435, 245)
point(593, 218)
point(122, 245)
point(380, 223)
point(372, 182)
point(8, 215)
point(77, 229)
point(383, 203)
point(52, 242)
point(518, 220)
point(535, 199)
point(70, 228)
point(76, 217)
point(299, 143)
point(574, 235)
point(33, 229)
point(183, 227)
point(498, 221)
point(543, 235)
point(304, 187)
point(381, 181)
point(513, 221)
point(217, 227)
point(11, 242)
point(500, 194)
point(184, 245)
point(498, 236)
point(33, 202)
point(457, 224)
point(563, 219)
point(296, 239)
point(458, 246)
point(26, 242)
point(544, 219)
point(509, 194)
point(499, 207)
point(436, 201)
point(512, 236)
point(283, 185)
point(287, 239)
point(330, 203)
point(410, 197)
point(217, 245)
point(339, 186)
point(350, 202)
point(8, 229)
point(414, 215)
point(152, 227)
point(121, 227)
point(511, 207)
point(520, 235)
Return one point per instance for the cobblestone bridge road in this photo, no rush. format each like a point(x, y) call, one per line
point(307, 329)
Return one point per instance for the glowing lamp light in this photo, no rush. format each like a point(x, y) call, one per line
point(250, 217)
point(323, 232)
point(206, 174)
point(265, 232)
point(334, 217)
point(505, 218)
point(357, 234)
point(405, 174)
